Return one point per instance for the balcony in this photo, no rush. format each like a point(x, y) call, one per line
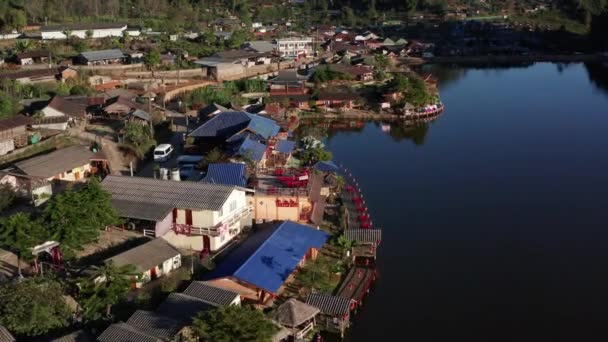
point(216, 230)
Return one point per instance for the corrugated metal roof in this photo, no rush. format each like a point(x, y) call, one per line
point(182, 307)
point(154, 324)
point(285, 146)
point(142, 210)
point(146, 256)
point(326, 166)
point(76, 336)
point(252, 149)
point(5, 335)
point(227, 173)
point(223, 125)
point(56, 162)
point(364, 235)
point(122, 332)
point(263, 126)
point(101, 55)
point(211, 294)
point(269, 256)
point(14, 122)
point(183, 195)
point(142, 114)
point(328, 304)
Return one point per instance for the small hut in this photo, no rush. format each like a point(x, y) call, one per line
point(334, 313)
point(297, 316)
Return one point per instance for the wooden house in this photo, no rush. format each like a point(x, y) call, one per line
point(334, 311)
point(13, 133)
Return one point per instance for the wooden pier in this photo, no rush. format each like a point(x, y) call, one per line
point(357, 284)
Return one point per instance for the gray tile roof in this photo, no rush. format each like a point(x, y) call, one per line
point(5, 335)
point(101, 55)
point(364, 235)
point(154, 324)
point(211, 294)
point(146, 256)
point(182, 307)
point(328, 304)
point(56, 162)
point(183, 195)
point(122, 332)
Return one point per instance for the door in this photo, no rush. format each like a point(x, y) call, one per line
point(77, 175)
point(206, 243)
point(189, 217)
point(153, 274)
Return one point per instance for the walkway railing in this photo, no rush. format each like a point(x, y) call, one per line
point(215, 230)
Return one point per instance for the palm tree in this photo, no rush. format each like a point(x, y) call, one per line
point(20, 233)
point(23, 45)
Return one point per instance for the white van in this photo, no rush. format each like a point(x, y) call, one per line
point(162, 152)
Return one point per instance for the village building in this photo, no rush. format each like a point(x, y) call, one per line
point(151, 260)
point(334, 313)
point(62, 111)
point(297, 317)
point(288, 82)
point(367, 242)
point(295, 47)
point(33, 57)
point(36, 190)
point(167, 59)
point(299, 197)
point(282, 152)
point(37, 76)
point(99, 30)
point(14, 133)
point(260, 46)
point(258, 268)
point(299, 101)
point(72, 164)
point(101, 57)
point(337, 100)
point(189, 215)
point(233, 64)
point(76, 336)
point(233, 127)
point(5, 335)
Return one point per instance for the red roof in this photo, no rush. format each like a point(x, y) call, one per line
point(108, 85)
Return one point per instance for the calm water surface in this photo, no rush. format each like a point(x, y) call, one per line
point(495, 217)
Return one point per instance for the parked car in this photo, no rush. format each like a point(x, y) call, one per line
point(162, 152)
point(186, 171)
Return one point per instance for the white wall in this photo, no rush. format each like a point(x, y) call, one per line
point(49, 112)
point(6, 146)
point(162, 227)
point(62, 126)
point(167, 267)
point(97, 33)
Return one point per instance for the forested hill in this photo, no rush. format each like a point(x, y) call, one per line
point(194, 14)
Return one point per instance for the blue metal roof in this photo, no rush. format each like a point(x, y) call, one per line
point(270, 255)
point(230, 123)
point(285, 146)
point(326, 166)
point(226, 173)
point(252, 149)
point(263, 126)
point(223, 125)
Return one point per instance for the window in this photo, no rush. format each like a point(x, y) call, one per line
point(68, 172)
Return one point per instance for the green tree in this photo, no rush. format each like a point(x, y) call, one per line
point(234, 323)
point(33, 307)
point(7, 196)
point(410, 5)
point(20, 233)
point(139, 138)
point(348, 17)
point(88, 34)
point(74, 218)
point(80, 89)
point(316, 154)
point(381, 62)
point(152, 59)
point(105, 288)
point(22, 45)
point(15, 19)
point(8, 107)
point(237, 38)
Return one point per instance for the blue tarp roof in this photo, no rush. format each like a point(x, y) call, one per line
point(285, 146)
point(252, 149)
point(326, 166)
point(270, 255)
point(226, 173)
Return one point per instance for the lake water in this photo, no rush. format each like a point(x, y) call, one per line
point(495, 216)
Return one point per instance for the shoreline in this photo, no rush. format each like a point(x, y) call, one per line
point(505, 59)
